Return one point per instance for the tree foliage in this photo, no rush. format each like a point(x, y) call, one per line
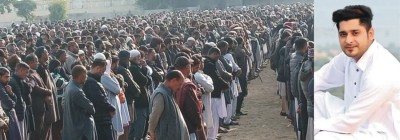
point(25, 9)
point(5, 6)
point(58, 10)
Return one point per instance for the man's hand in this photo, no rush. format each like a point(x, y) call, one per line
point(4, 128)
point(299, 109)
point(152, 136)
point(8, 89)
point(112, 113)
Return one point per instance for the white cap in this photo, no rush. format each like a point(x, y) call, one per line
point(143, 22)
point(147, 28)
point(191, 39)
point(100, 56)
point(212, 44)
point(237, 28)
point(104, 27)
point(134, 53)
point(81, 52)
point(122, 32)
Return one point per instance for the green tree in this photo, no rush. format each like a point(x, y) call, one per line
point(25, 9)
point(5, 6)
point(58, 10)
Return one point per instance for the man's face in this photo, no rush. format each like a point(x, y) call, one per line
point(82, 57)
point(44, 38)
point(215, 56)
point(63, 58)
point(75, 48)
point(100, 70)
point(5, 78)
point(45, 56)
point(151, 55)
point(82, 78)
point(89, 50)
point(34, 64)
point(157, 48)
point(2, 43)
point(187, 70)
point(224, 49)
point(176, 83)
point(22, 73)
point(354, 39)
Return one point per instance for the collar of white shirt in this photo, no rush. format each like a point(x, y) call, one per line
point(367, 56)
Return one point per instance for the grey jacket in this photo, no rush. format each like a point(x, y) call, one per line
point(71, 59)
point(78, 119)
point(295, 64)
point(166, 119)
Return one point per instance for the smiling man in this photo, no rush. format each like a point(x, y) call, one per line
point(370, 108)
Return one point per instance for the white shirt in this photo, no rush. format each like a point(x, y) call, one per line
point(371, 95)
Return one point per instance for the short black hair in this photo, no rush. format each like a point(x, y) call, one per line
point(173, 74)
point(205, 49)
point(181, 54)
point(3, 71)
point(78, 70)
point(300, 43)
point(222, 44)
point(361, 12)
point(22, 65)
point(228, 40)
point(99, 62)
point(155, 41)
point(39, 51)
point(59, 53)
point(30, 58)
point(214, 50)
point(114, 59)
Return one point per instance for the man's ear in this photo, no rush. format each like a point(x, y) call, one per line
point(371, 33)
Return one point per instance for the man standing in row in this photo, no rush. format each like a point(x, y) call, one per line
point(95, 92)
point(166, 121)
point(78, 110)
point(188, 101)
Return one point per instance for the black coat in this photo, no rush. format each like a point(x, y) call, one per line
point(132, 90)
point(21, 91)
point(139, 75)
point(219, 83)
point(23, 106)
point(96, 93)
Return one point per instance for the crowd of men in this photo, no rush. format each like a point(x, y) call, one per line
point(170, 75)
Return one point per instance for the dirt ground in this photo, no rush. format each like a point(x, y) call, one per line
point(263, 121)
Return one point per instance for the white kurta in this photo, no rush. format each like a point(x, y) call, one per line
point(206, 82)
point(371, 97)
point(235, 67)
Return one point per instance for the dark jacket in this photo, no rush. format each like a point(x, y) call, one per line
point(170, 54)
point(139, 75)
point(78, 111)
point(52, 107)
point(7, 100)
point(219, 83)
point(22, 92)
point(170, 125)
point(190, 105)
point(241, 59)
point(157, 76)
point(55, 66)
point(38, 95)
point(96, 93)
point(132, 89)
point(283, 64)
point(275, 54)
point(295, 64)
